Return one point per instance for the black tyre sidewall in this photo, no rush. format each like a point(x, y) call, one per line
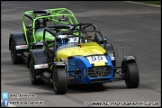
point(32, 72)
point(34, 80)
point(14, 57)
point(13, 52)
point(132, 74)
point(60, 80)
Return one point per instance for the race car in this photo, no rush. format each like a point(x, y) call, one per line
point(80, 55)
point(20, 43)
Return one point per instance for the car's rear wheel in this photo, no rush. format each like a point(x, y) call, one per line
point(60, 80)
point(14, 56)
point(131, 74)
point(33, 76)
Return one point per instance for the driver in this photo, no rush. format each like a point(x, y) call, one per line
point(61, 40)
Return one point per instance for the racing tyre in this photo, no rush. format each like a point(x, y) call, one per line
point(131, 74)
point(15, 58)
point(34, 80)
point(60, 80)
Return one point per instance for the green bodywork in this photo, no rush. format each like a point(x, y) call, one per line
point(53, 16)
point(39, 35)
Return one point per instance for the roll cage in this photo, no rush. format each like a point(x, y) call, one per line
point(77, 30)
point(58, 15)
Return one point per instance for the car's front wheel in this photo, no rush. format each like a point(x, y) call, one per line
point(60, 80)
point(131, 74)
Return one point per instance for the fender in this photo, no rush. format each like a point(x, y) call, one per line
point(39, 58)
point(18, 37)
point(129, 58)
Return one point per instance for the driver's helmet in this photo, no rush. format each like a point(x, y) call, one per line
point(40, 23)
point(62, 40)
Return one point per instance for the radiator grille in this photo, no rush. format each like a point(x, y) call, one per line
point(99, 71)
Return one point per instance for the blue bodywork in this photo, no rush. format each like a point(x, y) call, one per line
point(80, 71)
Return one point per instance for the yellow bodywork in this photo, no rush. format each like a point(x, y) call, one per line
point(81, 50)
point(99, 64)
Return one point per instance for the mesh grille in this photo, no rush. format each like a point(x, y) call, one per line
point(99, 71)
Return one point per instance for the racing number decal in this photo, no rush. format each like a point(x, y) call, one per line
point(93, 59)
point(97, 58)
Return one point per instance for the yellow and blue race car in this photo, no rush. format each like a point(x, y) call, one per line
point(80, 55)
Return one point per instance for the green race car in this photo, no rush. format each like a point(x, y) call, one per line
point(33, 22)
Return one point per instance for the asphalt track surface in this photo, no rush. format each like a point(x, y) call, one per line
point(132, 28)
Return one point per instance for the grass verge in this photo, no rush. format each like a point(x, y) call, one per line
point(151, 2)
